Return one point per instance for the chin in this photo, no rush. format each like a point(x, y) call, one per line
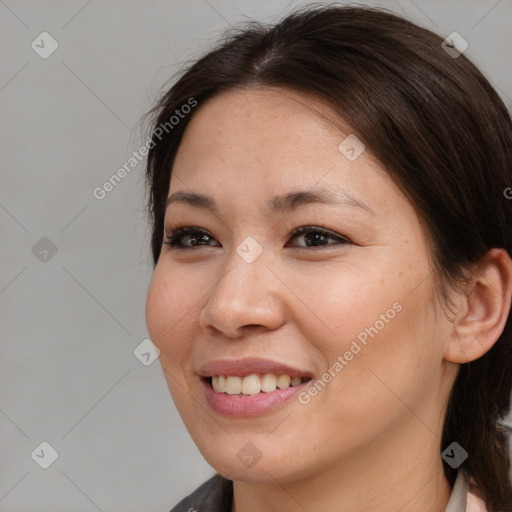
point(244, 458)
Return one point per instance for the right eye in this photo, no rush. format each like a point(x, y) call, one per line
point(182, 235)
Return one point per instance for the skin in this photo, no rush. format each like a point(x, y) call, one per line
point(370, 440)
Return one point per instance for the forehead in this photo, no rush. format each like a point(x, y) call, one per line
point(243, 121)
point(268, 141)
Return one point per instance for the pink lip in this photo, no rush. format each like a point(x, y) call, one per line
point(249, 366)
point(245, 406)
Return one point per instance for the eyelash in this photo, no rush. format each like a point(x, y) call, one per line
point(174, 239)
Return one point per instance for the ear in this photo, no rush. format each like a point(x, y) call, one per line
point(483, 310)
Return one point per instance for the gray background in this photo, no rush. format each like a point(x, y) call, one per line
point(70, 324)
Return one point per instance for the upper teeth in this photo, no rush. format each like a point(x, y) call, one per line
point(252, 384)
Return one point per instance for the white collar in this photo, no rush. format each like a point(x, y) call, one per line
point(459, 496)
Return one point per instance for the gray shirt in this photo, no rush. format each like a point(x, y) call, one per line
point(216, 495)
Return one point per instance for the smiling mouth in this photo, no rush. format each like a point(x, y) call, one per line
point(252, 384)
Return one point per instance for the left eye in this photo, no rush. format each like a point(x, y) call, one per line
point(316, 237)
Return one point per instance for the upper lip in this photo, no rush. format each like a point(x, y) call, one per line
point(249, 366)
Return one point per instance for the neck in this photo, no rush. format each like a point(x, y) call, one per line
point(400, 473)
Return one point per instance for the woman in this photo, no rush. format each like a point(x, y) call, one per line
point(332, 283)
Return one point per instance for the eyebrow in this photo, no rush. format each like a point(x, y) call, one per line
point(279, 204)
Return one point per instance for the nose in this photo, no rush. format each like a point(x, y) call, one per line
point(245, 297)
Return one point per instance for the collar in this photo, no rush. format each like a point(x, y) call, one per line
point(458, 497)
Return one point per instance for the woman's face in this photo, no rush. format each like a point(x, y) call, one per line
point(349, 305)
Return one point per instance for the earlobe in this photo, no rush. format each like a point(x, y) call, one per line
point(483, 311)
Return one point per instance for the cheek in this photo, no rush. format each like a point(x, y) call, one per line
point(338, 303)
point(167, 304)
point(389, 368)
point(370, 332)
point(156, 304)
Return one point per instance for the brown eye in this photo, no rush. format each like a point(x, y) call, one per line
point(317, 237)
point(188, 237)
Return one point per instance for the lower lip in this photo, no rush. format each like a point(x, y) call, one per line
point(249, 405)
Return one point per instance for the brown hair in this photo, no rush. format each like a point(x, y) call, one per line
point(436, 125)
